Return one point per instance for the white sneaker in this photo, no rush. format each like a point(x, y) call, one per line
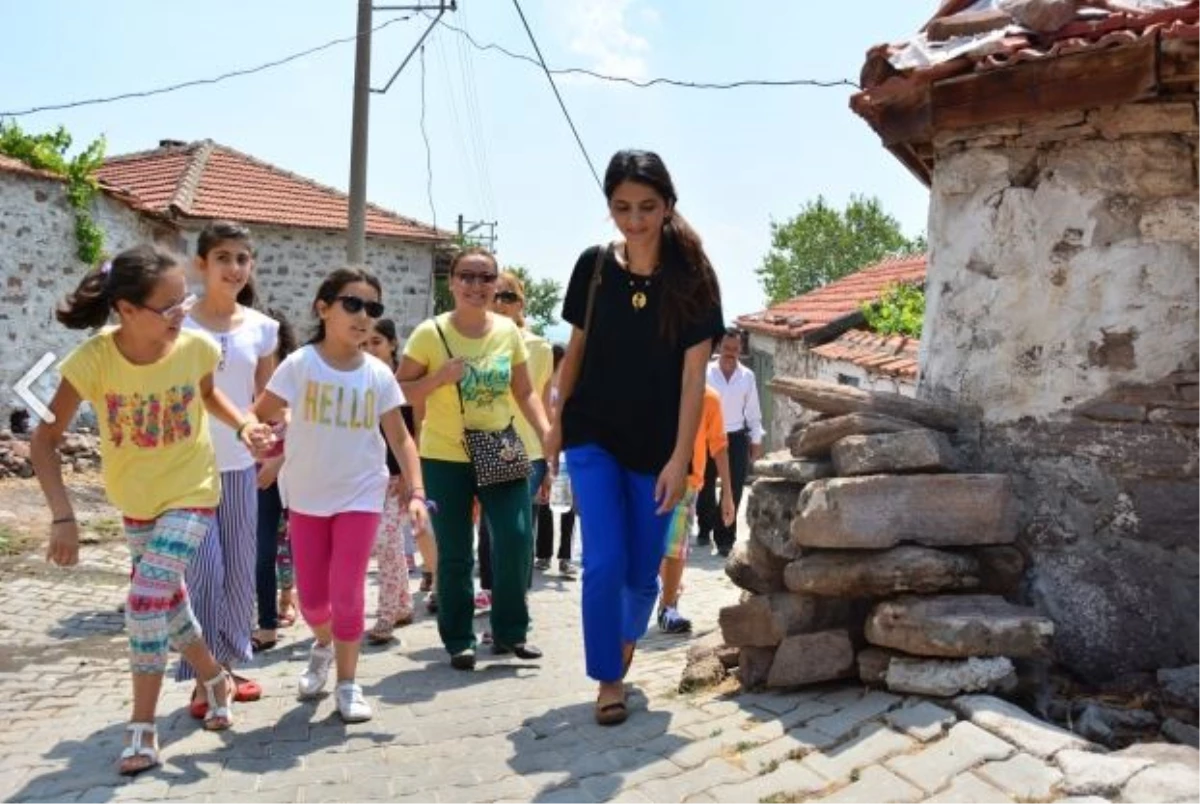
point(351, 704)
point(312, 680)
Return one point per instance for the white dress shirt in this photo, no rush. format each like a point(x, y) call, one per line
point(739, 400)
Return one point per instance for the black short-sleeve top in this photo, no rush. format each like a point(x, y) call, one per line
point(626, 396)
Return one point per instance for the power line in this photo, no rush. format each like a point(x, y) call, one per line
point(428, 150)
point(740, 84)
point(553, 86)
point(466, 65)
point(201, 81)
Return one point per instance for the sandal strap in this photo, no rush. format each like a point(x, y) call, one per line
point(136, 745)
point(215, 711)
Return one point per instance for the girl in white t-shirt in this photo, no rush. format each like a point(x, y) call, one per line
point(334, 477)
point(221, 579)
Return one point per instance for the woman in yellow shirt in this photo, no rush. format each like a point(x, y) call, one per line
point(485, 356)
point(509, 301)
point(151, 385)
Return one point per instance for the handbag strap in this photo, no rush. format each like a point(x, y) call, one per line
point(457, 387)
point(593, 288)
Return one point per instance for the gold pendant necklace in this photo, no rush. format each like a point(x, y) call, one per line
point(638, 298)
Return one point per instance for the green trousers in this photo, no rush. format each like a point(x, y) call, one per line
point(507, 507)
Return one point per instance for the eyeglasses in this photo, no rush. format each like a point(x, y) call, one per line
point(354, 305)
point(476, 279)
point(177, 310)
point(508, 297)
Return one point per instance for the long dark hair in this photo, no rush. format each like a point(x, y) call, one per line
point(219, 231)
point(387, 328)
point(331, 287)
point(287, 334)
point(131, 276)
point(689, 282)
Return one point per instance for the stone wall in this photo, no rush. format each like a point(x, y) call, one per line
point(292, 262)
point(38, 267)
point(791, 358)
point(1062, 311)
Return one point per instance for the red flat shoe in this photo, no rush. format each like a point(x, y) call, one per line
point(246, 690)
point(198, 708)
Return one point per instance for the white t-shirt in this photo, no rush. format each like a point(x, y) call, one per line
point(334, 456)
point(241, 348)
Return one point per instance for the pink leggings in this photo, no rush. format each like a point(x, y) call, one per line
point(331, 554)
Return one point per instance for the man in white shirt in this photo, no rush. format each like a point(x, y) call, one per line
point(744, 429)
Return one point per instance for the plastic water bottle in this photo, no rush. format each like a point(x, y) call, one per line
point(560, 490)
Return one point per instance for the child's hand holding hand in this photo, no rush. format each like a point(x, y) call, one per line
point(259, 437)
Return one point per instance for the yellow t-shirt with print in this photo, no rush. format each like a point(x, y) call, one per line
point(155, 449)
point(485, 384)
point(541, 366)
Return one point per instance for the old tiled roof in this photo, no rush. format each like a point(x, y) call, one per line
point(975, 35)
point(894, 355)
point(808, 314)
point(207, 180)
point(974, 64)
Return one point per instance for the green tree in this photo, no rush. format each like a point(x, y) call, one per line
point(822, 244)
point(899, 311)
point(542, 299)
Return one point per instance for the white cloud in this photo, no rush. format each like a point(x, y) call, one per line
point(602, 32)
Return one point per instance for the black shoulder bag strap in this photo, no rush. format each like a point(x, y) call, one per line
point(593, 289)
point(461, 407)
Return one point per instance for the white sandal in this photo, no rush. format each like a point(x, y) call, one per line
point(139, 748)
point(223, 713)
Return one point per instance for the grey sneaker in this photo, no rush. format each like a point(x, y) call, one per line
point(313, 679)
point(351, 704)
point(566, 568)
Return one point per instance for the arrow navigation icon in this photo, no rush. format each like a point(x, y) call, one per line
point(25, 393)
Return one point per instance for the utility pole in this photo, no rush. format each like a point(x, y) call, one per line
point(357, 233)
point(468, 228)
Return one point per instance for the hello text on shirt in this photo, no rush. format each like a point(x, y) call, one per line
point(338, 406)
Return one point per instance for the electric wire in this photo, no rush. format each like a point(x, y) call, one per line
point(557, 95)
point(200, 81)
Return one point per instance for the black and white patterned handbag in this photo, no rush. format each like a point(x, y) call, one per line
point(497, 456)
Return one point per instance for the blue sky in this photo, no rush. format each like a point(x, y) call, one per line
point(501, 149)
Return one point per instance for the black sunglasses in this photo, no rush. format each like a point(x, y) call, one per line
point(354, 305)
point(508, 297)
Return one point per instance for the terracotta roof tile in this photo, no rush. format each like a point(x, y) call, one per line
point(894, 356)
point(826, 305)
point(920, 58)
point(207, 180)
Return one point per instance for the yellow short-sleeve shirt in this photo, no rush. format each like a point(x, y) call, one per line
point(486, 397)
point(155, 448)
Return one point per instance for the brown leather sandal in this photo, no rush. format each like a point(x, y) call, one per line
point(612, 713)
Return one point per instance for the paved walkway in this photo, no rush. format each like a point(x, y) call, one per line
point(509, 731)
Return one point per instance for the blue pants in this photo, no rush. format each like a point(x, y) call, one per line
point(621, 554)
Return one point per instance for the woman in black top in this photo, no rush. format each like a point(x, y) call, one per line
point(645, 313)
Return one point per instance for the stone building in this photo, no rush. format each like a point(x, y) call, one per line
point(821, 335)
point(167, 195)
point(1062, 294)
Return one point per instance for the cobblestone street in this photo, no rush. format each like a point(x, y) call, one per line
point(511, 731)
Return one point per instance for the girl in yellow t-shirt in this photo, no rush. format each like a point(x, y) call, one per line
point(151, 384)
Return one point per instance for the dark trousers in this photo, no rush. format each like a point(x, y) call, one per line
point(507, 510)
point(708, 508)
point(270, 514)
point(545, 533)
point(484, 548)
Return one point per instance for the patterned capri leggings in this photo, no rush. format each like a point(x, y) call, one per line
point(395, 596)
point(221, 579)
point(158, 614)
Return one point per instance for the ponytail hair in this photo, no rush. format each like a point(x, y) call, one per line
point(248, 295)
point(689, 283)
point(131, 276)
